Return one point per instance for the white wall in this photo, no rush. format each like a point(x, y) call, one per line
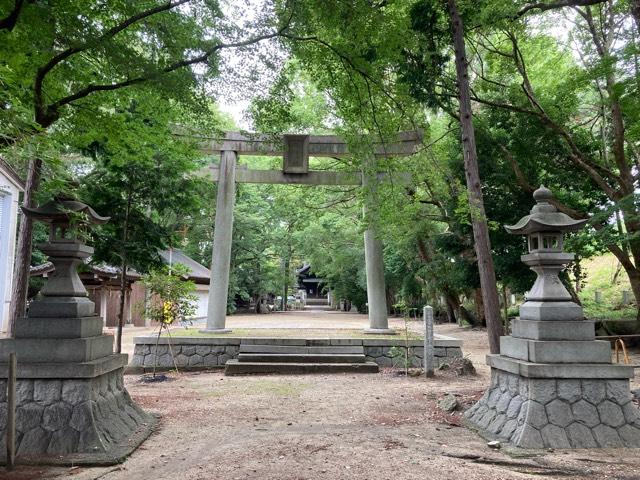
point(9, 196)
point(202, 292)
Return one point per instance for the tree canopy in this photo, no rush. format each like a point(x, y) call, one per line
point(104, 99)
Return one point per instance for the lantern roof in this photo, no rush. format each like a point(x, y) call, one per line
point(545, 217)
point(60, 210)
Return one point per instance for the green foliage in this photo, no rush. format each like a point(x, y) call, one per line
point(173, 297)
point(423, 67)
point(142, 176)
point(364, 70)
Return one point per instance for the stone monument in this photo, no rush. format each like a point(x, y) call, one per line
point(71, 403)
point(553, 385)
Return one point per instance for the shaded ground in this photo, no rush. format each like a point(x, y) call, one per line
point(375, 426)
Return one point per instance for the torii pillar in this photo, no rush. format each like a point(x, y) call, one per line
point(373, 257)
point(222, 237)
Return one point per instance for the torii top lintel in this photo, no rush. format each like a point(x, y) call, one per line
point(405, 143)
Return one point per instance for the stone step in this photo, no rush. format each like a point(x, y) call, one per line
point(301, 358)
point(298, 349)
point(235, 367)
point(317, 301)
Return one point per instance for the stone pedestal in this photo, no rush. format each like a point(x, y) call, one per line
point(71, 403)
point(554, 386)
point(74, 420)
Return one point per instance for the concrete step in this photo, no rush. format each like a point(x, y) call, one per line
point(299, 349)
point(301, 358)
point(236, 367)
point(317, 301)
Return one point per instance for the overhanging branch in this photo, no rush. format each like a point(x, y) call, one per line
point(543, 6)
point(9, 22)
point(53, 108)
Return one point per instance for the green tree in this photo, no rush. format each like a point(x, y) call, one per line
point(578, 108)
point(59, 60)
point(142, 176)
point(174, 296)
point(172, 299)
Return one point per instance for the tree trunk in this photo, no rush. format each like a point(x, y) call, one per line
point(123, 272)
point(634, 280)
point(572, 291)
point(635, 11)
point(468, 317)
point(285, 292)
point(123, 293)
point(505, 306)
point(478, 302)
point(453, 304)
point(476, 203)
point(23, 250)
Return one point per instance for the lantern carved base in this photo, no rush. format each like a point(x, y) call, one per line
point(524, 409)
point(554, 386)
point(75, 420)
point(71, 404)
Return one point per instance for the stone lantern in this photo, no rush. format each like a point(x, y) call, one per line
point(72, 405)
point(548, 299)
point(67, 220)
point(553, 385)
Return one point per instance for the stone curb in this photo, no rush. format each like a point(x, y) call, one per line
point(439, 341)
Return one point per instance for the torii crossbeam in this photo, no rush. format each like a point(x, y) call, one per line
point(296, 150)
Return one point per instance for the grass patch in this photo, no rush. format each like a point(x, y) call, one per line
point(251, 387)
point(600, 277)
point(309, 333)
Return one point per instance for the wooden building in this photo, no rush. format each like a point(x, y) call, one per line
point(307, 280)
point(103, 285)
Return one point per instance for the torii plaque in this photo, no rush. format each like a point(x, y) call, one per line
point(295, 150)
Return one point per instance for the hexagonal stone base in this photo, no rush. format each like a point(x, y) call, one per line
point(75, 421)
point(557, 413)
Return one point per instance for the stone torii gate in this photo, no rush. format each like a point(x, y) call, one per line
point(296, 150)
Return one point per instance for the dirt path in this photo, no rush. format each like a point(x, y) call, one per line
point(375, 427)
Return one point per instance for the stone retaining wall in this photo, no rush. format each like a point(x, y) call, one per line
point(197, 353)
point(382, 354)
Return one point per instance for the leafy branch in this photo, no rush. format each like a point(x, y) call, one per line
point(543, 6)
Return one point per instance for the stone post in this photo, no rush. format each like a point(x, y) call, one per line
point(222, 236)
point(427, 314)
point(374, 264)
